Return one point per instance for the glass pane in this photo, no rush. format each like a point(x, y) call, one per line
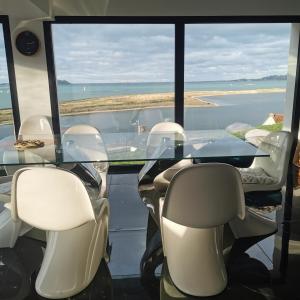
point(115, 77)
point(167, 145)
point(6, 118)
point(236, 77)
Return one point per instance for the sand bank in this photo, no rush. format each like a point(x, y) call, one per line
point(141, 101)
point(158, 100)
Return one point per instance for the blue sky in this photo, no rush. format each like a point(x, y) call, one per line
point(145, 53)
point(3, 65)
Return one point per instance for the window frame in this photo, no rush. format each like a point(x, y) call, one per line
point(179, 23)
point(4, 20)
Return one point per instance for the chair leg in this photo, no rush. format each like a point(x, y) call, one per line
point(151, 229)
point(241, 245)
point(152, 258)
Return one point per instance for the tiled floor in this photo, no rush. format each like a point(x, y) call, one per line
point(128, 222)
point(249, 276)
point(263, 251)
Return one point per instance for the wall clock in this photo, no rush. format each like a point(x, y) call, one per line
point(27, 43)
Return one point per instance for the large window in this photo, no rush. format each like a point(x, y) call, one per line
point(235, 76)
point(120, 77)
point(6, 116)
point(115, 77)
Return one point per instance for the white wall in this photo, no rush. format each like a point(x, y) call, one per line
point(31, 73)
point(175, 7)
point(41, 8)
point(202, 7)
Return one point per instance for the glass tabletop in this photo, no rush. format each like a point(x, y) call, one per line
point(126, 147)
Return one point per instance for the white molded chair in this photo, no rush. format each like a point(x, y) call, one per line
point(85, 141)
point(269, 173)
point(199, 201)
point(164, 131)
point(173, 132)
point(10, 230)
point(148, 117)
point(56, 200)
point(34, 127)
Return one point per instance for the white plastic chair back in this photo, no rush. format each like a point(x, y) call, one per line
point(147, 118)
point(50, 199)
point(85, 142)
point(164, 132)
point(278, 145)
point(57, 201)
point(199, 201)
point(159, 132)
point(35, 126)
point(21, 157)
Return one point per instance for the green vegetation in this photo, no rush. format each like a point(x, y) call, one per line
point(239, 134)
point(126, 163)
point(129, 155)
point(6, 116)
point(271, 128)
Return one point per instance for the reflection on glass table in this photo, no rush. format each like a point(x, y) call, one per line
point(127, 147)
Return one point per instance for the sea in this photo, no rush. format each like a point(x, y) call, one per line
point(251, 109)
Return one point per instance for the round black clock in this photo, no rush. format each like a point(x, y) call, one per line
point(27, 43)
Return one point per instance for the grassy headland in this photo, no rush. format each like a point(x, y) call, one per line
point(131, 102)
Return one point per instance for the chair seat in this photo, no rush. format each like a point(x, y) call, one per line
point(269, 173)
point(256, 176)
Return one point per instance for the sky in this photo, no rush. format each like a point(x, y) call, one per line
point(91, 53)
point(3, 65)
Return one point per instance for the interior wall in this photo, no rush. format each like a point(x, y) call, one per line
point(30, 9)
point(202, 7)
point(31, 72)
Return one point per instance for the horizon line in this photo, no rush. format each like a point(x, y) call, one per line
point(137, 82)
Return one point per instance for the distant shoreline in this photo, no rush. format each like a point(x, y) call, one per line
point(148, 101)
point(138, 102)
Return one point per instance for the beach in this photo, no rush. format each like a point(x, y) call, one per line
point(143, 101)
point(193, 99)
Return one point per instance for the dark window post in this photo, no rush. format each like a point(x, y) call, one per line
point(11, 74)
point(51, 77)
point(179, 73)
point(288, 204)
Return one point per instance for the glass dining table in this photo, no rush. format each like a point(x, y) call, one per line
point(127, 147)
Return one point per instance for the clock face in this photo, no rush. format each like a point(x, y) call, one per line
point(27, 43)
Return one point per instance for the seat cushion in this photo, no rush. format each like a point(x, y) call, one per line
point(256, 176)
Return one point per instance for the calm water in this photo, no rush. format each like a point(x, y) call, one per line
point(82, 91)
point(252, 108)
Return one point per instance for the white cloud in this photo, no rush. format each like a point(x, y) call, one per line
point(145, 52)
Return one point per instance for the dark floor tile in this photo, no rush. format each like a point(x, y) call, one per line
point(257, 253)
point(267, 245)
point(127, 250)
point(17, 266)
point(127, 211)
point(247, 279)
point(130, 289)
point(124, 179)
